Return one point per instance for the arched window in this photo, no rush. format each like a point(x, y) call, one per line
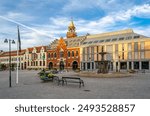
point(55, 55)
point(52, 55)
point(68, 53)
point(49, 55)
point(72, 53)
point(61, 54)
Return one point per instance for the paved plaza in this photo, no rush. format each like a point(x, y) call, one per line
point(31, 87)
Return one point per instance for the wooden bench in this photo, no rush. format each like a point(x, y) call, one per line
point(66, 80)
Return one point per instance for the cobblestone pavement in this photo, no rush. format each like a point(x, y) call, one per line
point(31, 87)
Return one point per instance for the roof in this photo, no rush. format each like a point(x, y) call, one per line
point(121, 35)
point(38, 48)
point(126, 31)
point(13, 53)
point(74, 42)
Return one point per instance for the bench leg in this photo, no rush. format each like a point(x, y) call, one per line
point(82, 83)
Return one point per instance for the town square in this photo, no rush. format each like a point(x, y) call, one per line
point(31, 87)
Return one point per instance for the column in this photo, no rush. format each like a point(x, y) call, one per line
point(140, 65)
point(94, 66)
point(114, 66)
point(127, 65)
point(132, 66)
point(90, 65)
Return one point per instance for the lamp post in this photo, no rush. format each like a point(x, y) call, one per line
point(9, 41)
point(118, 63)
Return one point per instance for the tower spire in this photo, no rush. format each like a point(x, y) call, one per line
point(71, 30)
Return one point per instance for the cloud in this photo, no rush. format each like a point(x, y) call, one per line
point(21, 17)
point(34, 33)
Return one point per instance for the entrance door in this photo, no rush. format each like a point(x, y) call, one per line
point(25, 65)
point(50, 65)
point(61, 66)
point(74, 65)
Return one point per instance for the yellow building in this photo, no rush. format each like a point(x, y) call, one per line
point(125, 50)
point(4, 59)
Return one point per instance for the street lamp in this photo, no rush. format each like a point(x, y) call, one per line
point(9, 41)
point(118, 63)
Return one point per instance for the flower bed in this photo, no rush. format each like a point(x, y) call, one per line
point(45, 76)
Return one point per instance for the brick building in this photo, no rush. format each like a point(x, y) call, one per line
point(64, 53)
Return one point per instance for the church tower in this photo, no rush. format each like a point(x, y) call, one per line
point(71, 30)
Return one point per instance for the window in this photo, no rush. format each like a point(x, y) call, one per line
point(68, 53)
point(92, 53)
point(85, 43)
point(40, 63)
point(137, 36)
point(49, 55)
point(88, 53)
point(90, 42)
point(122, 38)
point(136, 55)
point(95, 41)
point(129, 37)
point(122, 51)
point(142, 55)
point(55, 55)
point(122, 47)
point(107, 40)
point(142, 45)
point(109, 50)
point(116, 47)
point(129, 47)
point(61, 54)
point(72, 53)
point(43, 63)
point(101, 41)
point(77, 53)
point(130, 55)
point(83, 54)
point(136, 46)
point(114, 39)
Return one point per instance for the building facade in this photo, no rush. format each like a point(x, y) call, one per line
point(30, 58)
point(124, 49)
point(65, 53)
point(4, 59)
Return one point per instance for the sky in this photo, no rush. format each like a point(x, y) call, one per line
point(42, 21)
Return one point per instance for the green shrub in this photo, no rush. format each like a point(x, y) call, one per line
point(50, 75)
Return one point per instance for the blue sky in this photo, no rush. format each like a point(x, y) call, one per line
point(42, 21)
